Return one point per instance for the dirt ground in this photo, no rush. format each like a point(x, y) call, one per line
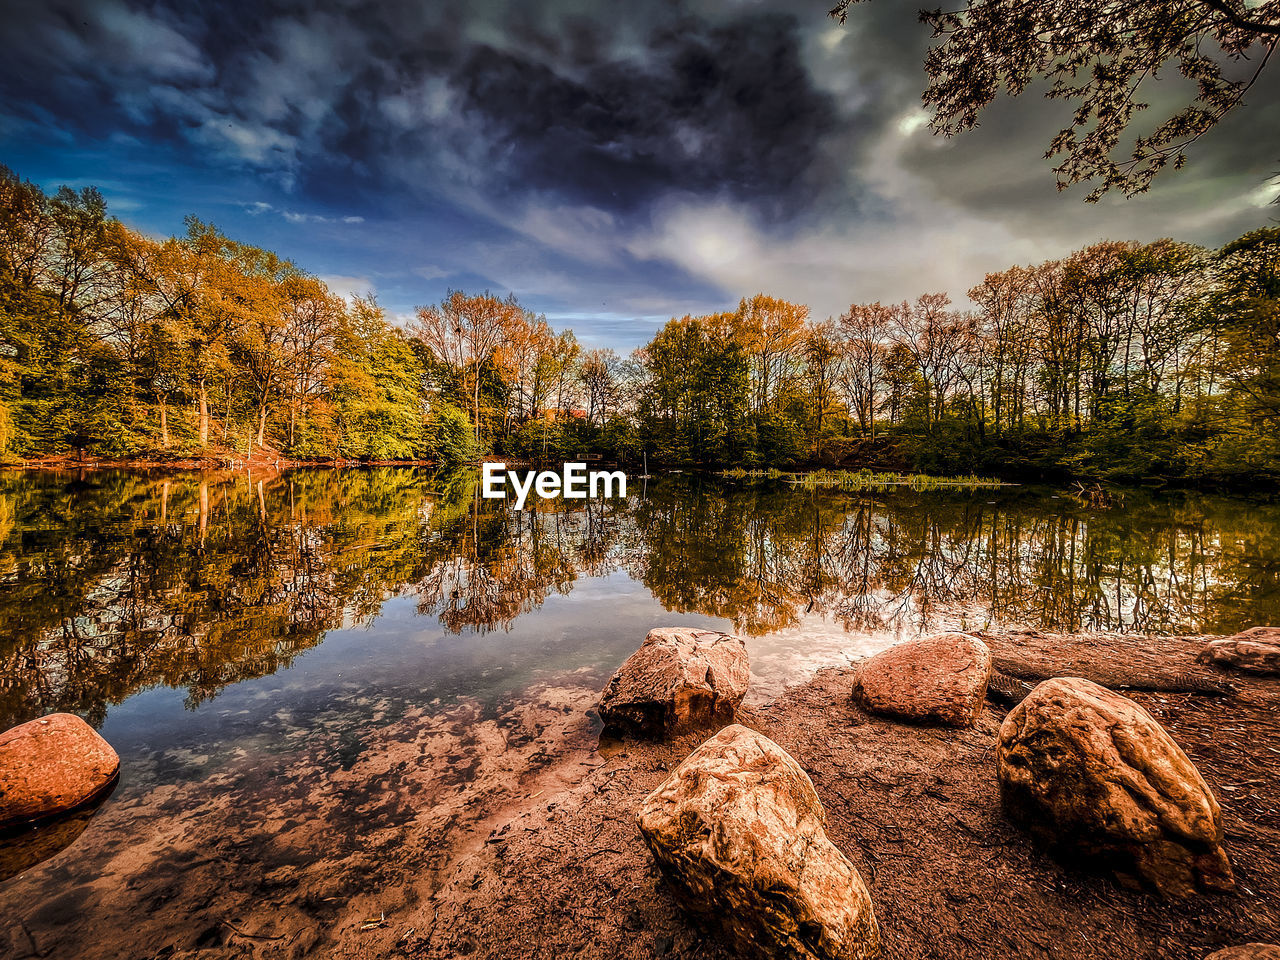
point(917, 811)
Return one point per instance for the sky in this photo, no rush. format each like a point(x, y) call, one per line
point(612, 164)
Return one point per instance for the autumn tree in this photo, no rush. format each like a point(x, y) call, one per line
point(823, 356)
point(1249, 302)
point(526, 350)
point(600, 383)
point(770, 330)
point(1006, 301)
point(932, 333)
point(864, 331)
point(693, 403)
point(466, 332)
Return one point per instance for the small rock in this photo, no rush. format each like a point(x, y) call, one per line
point(1094, 774)
point(1256, 650)
point(679, 679)
point(51, 765)
point(941, 679)
point(739, 832)
point(1248, 951)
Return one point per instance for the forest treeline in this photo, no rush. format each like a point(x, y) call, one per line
point(1122, 361)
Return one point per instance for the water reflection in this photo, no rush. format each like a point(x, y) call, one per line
point(111, 583)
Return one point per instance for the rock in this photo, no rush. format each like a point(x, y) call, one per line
point(1091, 772)
point(739, 832)
point(1256, 650)
point(1247, 951)
point(679, 679)
point(52, 765)
point(941, 679)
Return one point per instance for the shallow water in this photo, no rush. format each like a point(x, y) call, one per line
point(324, 685)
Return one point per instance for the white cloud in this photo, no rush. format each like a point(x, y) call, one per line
point(258, 207)
point(586, 233)
point(829, 266)
point(348, 287)
point(258, 144)
point(148, 44)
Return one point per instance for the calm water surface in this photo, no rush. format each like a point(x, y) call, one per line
point(231, 634)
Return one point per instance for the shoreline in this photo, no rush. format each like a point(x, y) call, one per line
point(795, 476)
point(206, 463)
point(508, 831)
point(917, 810)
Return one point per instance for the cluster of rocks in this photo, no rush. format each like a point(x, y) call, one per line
point(737, 829)
point(739, 832)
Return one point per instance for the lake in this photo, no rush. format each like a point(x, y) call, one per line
point(326, 686)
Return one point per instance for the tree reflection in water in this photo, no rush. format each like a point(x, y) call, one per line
point(113, 582)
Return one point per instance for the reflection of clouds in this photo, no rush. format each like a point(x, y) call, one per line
point(790, 655)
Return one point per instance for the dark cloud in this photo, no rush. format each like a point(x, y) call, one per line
point(705, 108)
point(553, 104)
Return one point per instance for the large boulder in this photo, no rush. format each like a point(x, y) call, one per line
point(739, 832)
point(1091, 772)
point(679, 679)
point(940, 679)
point(52, 765)
point(1256, 650)
point(1247, 951)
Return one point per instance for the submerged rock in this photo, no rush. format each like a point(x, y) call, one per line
point(679, 679)
point(1094, 774)
point(941, 679)
point(1256, 650)
point(52, 765)
point(739, 832)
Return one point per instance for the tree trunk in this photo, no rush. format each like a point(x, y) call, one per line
point(204, 414)
point(262, 423)
point(164, 423)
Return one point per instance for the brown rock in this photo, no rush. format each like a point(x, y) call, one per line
point(1093, 773)
point(1256, 650)
point(51, 765)
point(941, 679)
point(679, 679)
point(1247, 951)
point(739, 832)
